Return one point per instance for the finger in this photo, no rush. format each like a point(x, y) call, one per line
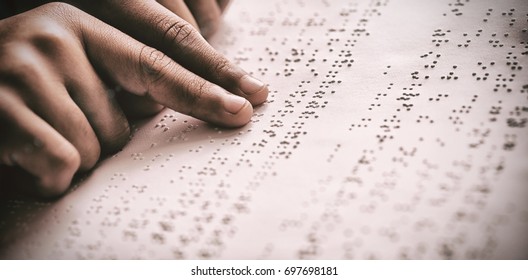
point(156, 26)
point(180, 8)
point(148, 72)
point(135, 106)
point(207, 14)
point(56, 52)
point(223, 4)
point(97, 103)
point(36, 147)
point(163, 80)
point(39, 86)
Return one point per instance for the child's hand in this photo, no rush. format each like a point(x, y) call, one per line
point(57, 115)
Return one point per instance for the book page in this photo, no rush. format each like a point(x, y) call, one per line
point(394, 129)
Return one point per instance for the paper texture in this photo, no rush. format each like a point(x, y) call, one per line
point(394, 129)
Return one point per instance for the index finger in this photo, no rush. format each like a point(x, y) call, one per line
point(143, 70)
point(156, 26)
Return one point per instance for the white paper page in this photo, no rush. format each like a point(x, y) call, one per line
point(394, 129)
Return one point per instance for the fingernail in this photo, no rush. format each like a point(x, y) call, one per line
point(250, 85)
point(233, 104)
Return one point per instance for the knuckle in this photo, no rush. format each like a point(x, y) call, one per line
point(50, 28)
point(24, 59)
point(65, 158)
point(58, 7)
point(193, 93)
point(152, 64)
point(64, 163)
point(220, 66)
point(19, 65)
point(61, 10)
point(51, 38)
point(180, 32)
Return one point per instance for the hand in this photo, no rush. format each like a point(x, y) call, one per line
point(203, 14)
point(56, 114)
point(153, 24)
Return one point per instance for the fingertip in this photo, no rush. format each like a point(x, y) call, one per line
point(255, 90)
point(238, 111)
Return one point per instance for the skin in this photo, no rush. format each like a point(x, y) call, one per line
point(68, 81)
point(204, 15)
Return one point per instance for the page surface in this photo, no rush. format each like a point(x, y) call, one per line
point(394, 129)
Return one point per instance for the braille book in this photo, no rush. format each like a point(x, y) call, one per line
point(394, 129)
